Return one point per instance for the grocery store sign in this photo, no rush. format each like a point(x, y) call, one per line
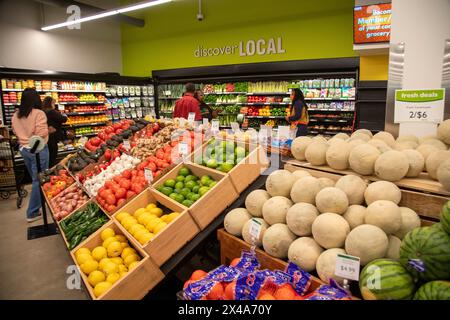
point(419, 105)
point(252, 47)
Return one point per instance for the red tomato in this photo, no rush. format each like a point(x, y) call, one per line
point(126, 184)
point(121, 202)
point(152, 166)
point(158, 173)
point(137, 188)
point(167, 149)
point(101, 190)
point(105, 193)
point(164, 165)
point(110, 199)
point(153, 158)
point(141, 173)
point(174, 143)
point(126, 174)
point(108, 184)
point(133, 173)
point(160, 154)
point(111, 208)
point(142, 165)
point(120, 193)
point(117, 179)
point(130, 194)
point(168, 157)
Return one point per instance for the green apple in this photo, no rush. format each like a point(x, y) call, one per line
point(212, 163)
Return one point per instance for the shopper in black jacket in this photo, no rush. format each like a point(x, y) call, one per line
point(205, 110)
point(298, 117)
point(54, 121)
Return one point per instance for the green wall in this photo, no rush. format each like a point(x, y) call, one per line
point(310, 30)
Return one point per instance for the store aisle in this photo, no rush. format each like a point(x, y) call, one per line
point(34, 269)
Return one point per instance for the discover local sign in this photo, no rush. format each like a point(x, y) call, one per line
point(419, 105)
point(252, 47)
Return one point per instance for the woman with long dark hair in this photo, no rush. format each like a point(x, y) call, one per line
point(205, 110)
point(298, 113)
point(54, 121)
point(27, 122)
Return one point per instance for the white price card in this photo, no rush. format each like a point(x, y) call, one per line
point(126, 145)
point(191, 117)
point(419, 105)
point(215, 125)
point(255, 229)
point(61, 107)
point(235, 127)
point(347, 266)
point(205, 123)
point(148, 174)
point(283, 132)
point(183, 148)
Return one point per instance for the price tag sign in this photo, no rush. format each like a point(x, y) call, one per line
point(61, 107)
point(148, 174)
point(347, 267)
point(235, 127)
point(126, 145)
point(215, 125)
point(205, 123)
point(255, 229)
point(419, 105)
point(183, 148)
point(191, 117)
point(283, 132)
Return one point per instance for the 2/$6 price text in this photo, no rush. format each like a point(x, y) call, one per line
point(418, 115)
point(225, 309)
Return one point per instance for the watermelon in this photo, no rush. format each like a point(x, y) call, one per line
point(386, 279)
point(434, 290)
point(445, 217)
point(425, 252)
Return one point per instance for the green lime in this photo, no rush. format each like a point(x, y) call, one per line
point(240, 152)
point(190, 184)
point(226, 167)
point(185, 192)
point(195, 197)
point(187, 203)
point(180, 178)
point(184, 171)
point(190, 178)
point(205, 180)
point(160, 188)
point(173, 196)
point(177, 191)
point(212, 184)
point(190, 195)
point(179, 185)
point(167, 191)
point(203, 190)
point(169, 183)
point(195, 189)
point(179, 198)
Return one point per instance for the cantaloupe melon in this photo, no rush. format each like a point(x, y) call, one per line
point(443, 174)
point(304, 252)
point(416, 163)
point(425, 150)
point(316, 153)
point(434, 161)
point(299, 146)
point(443, 131)
point(330, 230)
point(408, 137)
point(386, 137)
point(392, 165)
point(367, 242)
point(362, 158)
point(326, 182)
point(305, 190)
point(300, 218)
point(405, 145)
point(319, 138)
point(363, 131)
point(298, 174)
point(246, 232)
point(393, 251)
point(410, 220)
point(274, 210)
point(277, 240)
point(354, 188)
point(279, 183)
point(326, 265)
point(255, 201)
point(427, 137)
point(382, 190)
point(352, 144)
point(360, 136)
point(355, 215)
point(334, 141)
point(342, 136)
point(385, 215)
point(235, 219)
point(435, 143)
point(337, 155)
point(332, 200)
point(380, 145)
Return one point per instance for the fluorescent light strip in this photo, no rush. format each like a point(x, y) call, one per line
point(139, 6)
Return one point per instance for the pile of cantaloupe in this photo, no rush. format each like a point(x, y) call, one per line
point(310, 220)
point(381, 154)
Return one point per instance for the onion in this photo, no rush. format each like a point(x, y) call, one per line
point(63, 213)
point(73, 203)
point(69, 208)
point(76, 196)
point(69, 196)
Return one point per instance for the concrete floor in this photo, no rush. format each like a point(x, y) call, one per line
point(31, 269)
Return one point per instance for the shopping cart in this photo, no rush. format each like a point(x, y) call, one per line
point(10, 175)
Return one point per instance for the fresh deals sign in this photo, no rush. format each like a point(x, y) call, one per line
point(252, 47)
point(419, 105)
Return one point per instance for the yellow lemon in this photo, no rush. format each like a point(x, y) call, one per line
point(164, 217)
point(113, 277)
point(127, 251)
point(82, 250)
point(138, 212)
point(103, 262)
point(124, 245)
point(83, 257)
point(108, 241)
point(121, 238)
point(134, 228)
point(110, 267)
point(133, 265)
point(149, 218)
point(130, 258)
point(145, 237)
point(123, 273)
point(117, 260)
point(152, 224)
point(159, 227)
point(107, 233)
point(156, 211)
point(172, 216)
point(101, 287)
point(114, 249)
point(96, 277)
point(89, 266)
point(140, 233)
point(128, 222)
point(150, 206)
point(99, 253)
point(143, 217)
point(122, 215)
point(122, 268)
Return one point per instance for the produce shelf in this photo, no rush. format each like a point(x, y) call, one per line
point(84, 113)
point(265, 117)
point(330, 110)
point(330, 121)
point(86, 135)
point(267, 103)
point(207, 93)
point(169, 98)
point(226, 103)
point(87, 124)
point(69, 91)
point(330, 99)
point(268, 93)
point(11, 104)
point(83, 102)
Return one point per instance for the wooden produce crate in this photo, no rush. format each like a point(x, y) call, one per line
point(173, 237)
point(424, 196)
point(73, 185)
point(136, 284)
point(208, 207)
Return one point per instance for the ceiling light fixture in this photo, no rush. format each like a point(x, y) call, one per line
point(108, 13)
